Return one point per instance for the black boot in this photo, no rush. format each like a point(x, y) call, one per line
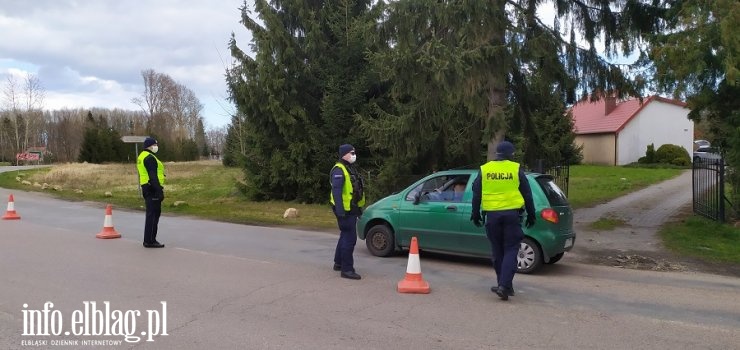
point(351, 275)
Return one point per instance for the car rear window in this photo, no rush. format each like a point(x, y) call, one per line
point(554, 194)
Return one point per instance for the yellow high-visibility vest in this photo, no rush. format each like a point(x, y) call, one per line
point(500, 186)
point(346, 190)
point(143, 174)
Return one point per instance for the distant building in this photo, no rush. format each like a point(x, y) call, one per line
point(618, 132)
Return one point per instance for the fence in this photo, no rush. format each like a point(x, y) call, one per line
point(708, 188)
point(560, 172)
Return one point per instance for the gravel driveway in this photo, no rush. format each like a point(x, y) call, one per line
point(636, 244)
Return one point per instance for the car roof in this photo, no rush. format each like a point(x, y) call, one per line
point(702, 143)
point(473, 171)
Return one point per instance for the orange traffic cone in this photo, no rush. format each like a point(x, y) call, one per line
point(11, 214)
point(413, 283)
point(108, 230)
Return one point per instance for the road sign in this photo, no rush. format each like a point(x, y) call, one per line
point(27, 156)
point(133, 139)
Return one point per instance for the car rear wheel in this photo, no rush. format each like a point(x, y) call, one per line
point(529, 257)
point(555, 258)
point(380, 240)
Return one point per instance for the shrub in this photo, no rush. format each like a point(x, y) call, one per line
point(681, 161)
point(669, 153)
point(649, 155)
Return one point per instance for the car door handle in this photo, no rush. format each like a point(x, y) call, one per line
point(451, 208)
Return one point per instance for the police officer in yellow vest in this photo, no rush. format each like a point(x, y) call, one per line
point(151, 179)
point(500, 191)
point(347, 199)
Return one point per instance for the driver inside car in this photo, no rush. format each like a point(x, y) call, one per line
point(453, 193)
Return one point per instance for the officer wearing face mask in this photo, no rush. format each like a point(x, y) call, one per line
point(347, 199)
point(151, 179)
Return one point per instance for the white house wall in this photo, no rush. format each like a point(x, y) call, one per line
point(658, 123)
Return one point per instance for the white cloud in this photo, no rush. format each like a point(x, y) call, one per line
point(90, 53)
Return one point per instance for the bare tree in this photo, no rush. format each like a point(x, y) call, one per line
point(152, 99)
point(216, 139)
point(173, 110)
point(23, 122)
point(64, 129)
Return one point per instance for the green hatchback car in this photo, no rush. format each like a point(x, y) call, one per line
point(436, 209)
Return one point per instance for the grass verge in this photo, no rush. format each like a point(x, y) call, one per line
point(207, 188)
point(594, 184)
point(703, 238)
point(607, 224)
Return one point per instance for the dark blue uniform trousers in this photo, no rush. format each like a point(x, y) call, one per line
point(346, 243)
point(504, 230)
point(153, 211)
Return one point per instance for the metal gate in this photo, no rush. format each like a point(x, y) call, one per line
point(708, 188)
point(560, 172)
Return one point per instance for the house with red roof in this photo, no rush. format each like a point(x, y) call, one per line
point(614, 132)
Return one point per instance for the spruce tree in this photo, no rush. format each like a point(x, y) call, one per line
point(299, 93)
point(474, 59)
point(89, 151)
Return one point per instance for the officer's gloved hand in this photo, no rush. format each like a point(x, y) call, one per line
point(530, 220)
point(159, 193)
point(476, 219)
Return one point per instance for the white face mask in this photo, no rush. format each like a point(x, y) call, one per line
point(155, 149)
point(352, 158)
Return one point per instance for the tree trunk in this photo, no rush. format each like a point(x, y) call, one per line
point(496, 123)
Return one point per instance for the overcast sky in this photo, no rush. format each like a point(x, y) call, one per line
point(90, 53)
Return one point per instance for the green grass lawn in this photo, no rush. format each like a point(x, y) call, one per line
point(703, 238)
point(595, 184)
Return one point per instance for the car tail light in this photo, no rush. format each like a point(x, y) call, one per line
point(549, 215)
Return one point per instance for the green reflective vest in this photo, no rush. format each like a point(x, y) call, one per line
point(500, 186)
point(346, 191)
point(143, 174)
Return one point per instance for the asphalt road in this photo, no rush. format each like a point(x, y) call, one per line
point(232, 286)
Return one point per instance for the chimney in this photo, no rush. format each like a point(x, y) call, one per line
point(610, 103)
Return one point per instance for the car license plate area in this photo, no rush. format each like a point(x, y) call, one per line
point(568, 243)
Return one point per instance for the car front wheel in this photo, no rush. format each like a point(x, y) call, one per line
point(380, 240)
point(529, 257)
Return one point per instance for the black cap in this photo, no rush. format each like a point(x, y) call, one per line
point(149, 142)
point(344, 149)
point(505, 149)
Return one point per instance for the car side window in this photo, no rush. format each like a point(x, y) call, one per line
point(449, 187)
point(427, 186)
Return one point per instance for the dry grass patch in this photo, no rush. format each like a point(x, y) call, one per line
point(208, 188)
point(87, 176)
